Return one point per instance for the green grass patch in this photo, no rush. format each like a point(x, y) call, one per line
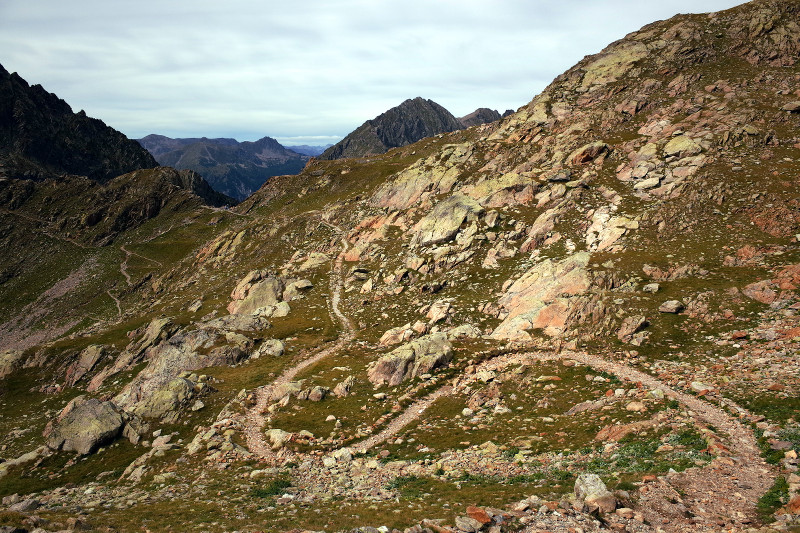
point(773, 499)
point(274, 487)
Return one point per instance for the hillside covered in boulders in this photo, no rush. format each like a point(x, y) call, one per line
point(580, 317)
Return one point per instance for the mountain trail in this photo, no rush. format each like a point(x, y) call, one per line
point(254, 418)
point(116, 301)
point(721, 493)
point(123, 267)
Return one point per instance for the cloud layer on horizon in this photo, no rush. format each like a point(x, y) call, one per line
point(303, 72)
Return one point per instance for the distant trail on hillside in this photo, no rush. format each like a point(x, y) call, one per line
point(123, 267)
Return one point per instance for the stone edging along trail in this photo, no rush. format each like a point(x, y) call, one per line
point(254, 417)
point(724, 491)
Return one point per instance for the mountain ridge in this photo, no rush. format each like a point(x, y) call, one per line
point(41, 137)
point(231, 167)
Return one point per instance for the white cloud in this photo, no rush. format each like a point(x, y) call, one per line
point(249, 68)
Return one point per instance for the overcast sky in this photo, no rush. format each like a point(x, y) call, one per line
point(303, 71)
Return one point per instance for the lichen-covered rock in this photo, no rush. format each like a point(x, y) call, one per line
point(613, 63)
point(267, 291)
point(682, 146)
point(671, 306)
point(314, 260)
point(295, 289)
point(278, 438)
point(445, 219)
point(541, 298)
point(269, 348)
point(9, 360)
point(607, 229)
point(342, 388)
point(397, 335)
point(237, 323)
point(591, 490)
point(630, 326)
point(411, 360)
point(85, 425)
point(157, 331)
point(183, 352)
point(166, 400)
point(87, 360)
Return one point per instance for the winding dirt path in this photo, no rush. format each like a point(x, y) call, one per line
point(123, 267)
point(413, 412)
point(116, 301)
point(720, 494)
point(254, 417)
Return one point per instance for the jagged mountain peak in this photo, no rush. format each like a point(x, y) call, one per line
point(231, 167)
point(41, 137)
point(412, 120)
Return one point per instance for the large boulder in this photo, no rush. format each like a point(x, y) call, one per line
point(166, 400)
point(84, 426)
point(265, 292)
point(588, 153)
point(542, 297)
point(411, 360)
point(270, 348)
point(9, 361)
point(184, 352)
point(237, 323)
point(314, 260)
point(591, 490)
point(682, 146)
point(445, 219)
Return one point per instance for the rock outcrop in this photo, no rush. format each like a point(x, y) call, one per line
point(542, 298)
point(445, 220)
point(412, 360)
point(84, 425)
point(590, 490)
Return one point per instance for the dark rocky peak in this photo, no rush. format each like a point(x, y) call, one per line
point(482, 115)
point(41, 137)
point(407, 123)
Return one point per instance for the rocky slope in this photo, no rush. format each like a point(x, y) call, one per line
point(407, 123)
point(583, 316)
point(40, 137)
point(233, 168)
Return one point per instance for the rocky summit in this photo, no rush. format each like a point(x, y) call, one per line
point(580, 317)
point(402, 125)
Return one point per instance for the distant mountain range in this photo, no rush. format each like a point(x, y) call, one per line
point(230, 167)
point(405, 124)
point(308, 150)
